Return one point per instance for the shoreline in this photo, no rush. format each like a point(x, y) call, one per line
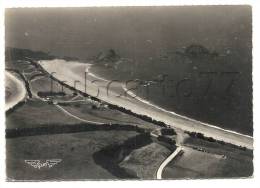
point(134, 95)
point(20, 91)
point(73, 72)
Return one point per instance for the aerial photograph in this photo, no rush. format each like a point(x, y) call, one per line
point(128, 93)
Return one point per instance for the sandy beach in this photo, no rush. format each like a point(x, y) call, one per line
point(114, 93)
point(15, 90)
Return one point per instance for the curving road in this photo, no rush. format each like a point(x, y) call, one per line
point(167, 161)
point(76, 117)
point(63, 110)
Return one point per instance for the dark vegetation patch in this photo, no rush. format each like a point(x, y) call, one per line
point(36, 75)
point(166, 140)
point(60, 129)
point(110, 156)
point(44, 94)
point(109, 56)
point(12, 54)
point(168, 131)
point(210, 139)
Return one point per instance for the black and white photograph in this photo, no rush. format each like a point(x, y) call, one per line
point(128, 93)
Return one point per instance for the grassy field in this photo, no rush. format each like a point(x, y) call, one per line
point(198, 164)
point(204, 159)
point(76, 151)
point(146, 160)
point(37, 113)
point(220, 149)
point(43, 84)
point(105, 115)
